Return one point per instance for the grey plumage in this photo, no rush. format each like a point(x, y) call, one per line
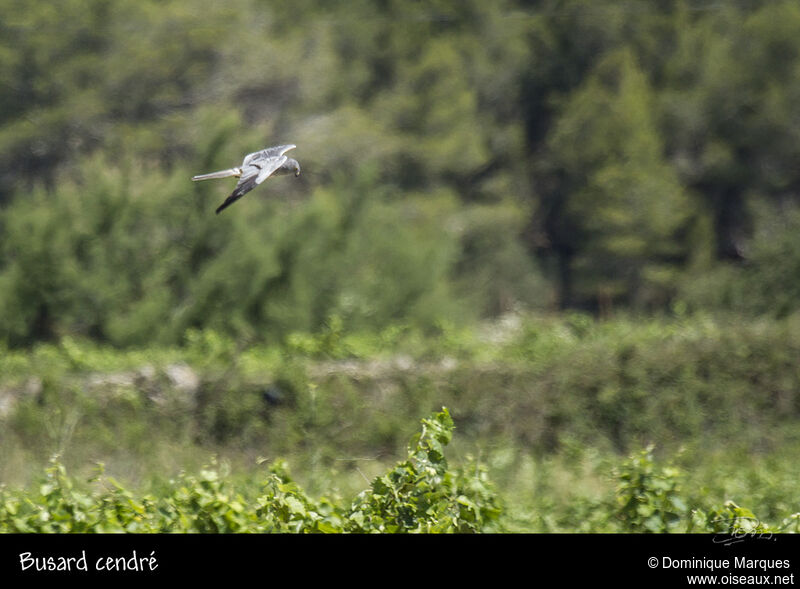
point(256, 167)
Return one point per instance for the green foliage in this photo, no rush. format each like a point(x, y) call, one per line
point(696, 378)
point(287, 508)
point(765, 283)
point(124, 249)
point(418, 495)
point(607, 143)
point(649, 496)
point(461, 161)
point(421, 495)
point(645, 493)
point(118, 263)
point(458, 163)
point(734, 520)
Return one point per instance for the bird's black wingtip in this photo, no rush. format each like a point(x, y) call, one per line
point(228, 202)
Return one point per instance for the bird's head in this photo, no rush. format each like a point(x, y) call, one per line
point(290, 166)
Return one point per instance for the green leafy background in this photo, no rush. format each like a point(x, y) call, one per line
point(570, 222)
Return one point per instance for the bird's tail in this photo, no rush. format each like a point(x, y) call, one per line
point(220, 174)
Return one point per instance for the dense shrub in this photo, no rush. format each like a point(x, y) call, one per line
point(420, 494)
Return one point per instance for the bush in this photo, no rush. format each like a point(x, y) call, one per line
point(419, 494)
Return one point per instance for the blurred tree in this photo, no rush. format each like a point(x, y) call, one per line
point(732, 113)
point(622, 206)
point(81, 74)
point(625, 145)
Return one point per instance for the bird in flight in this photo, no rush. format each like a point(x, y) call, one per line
point(256, 167)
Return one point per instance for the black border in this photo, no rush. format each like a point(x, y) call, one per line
point(620, 558)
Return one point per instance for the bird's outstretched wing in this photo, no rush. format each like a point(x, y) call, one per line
point(256, 168)
point(267, 153)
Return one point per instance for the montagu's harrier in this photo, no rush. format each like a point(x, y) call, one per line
point(256, 167)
